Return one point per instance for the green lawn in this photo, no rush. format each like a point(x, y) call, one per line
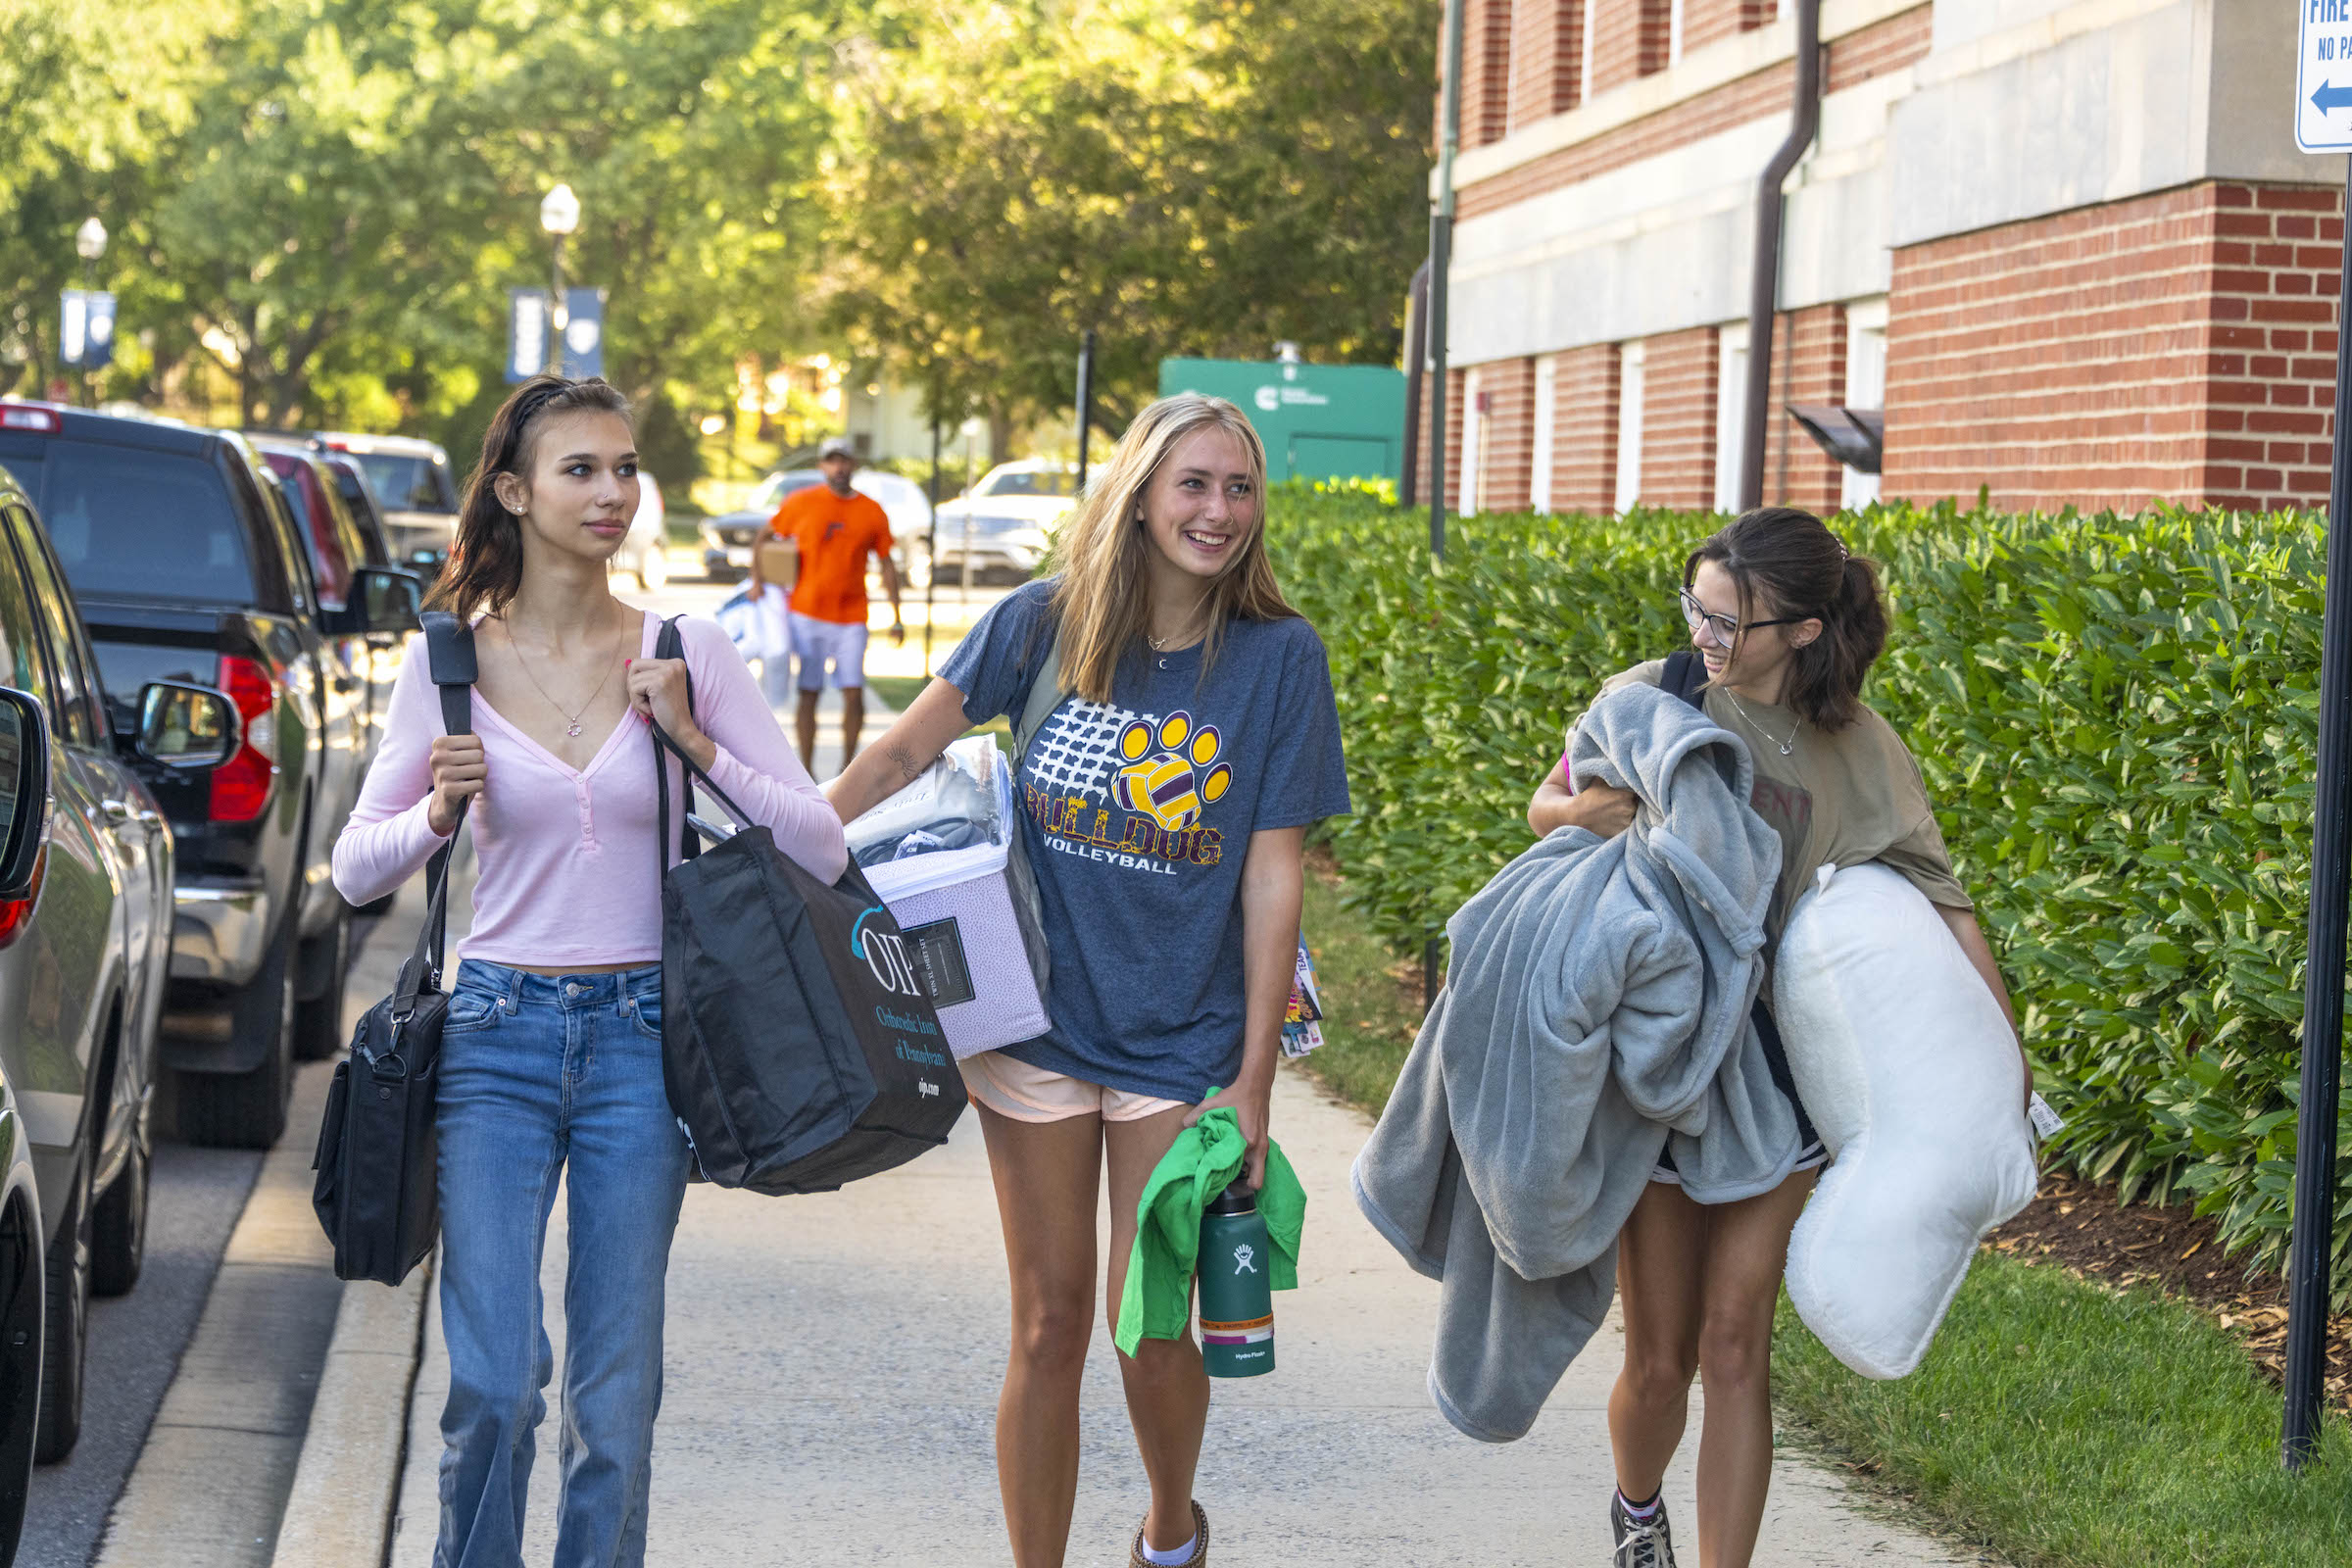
point(2055, 1423)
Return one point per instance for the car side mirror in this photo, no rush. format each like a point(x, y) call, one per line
point(184, 725)
point(380, 599)
point(23, 793)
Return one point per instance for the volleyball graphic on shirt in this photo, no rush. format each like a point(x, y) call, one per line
point(1173, 783)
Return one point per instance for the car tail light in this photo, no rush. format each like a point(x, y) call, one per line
point(15, 912)
point(22, 416)
point(241, 785)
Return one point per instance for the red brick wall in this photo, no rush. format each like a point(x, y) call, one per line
point(1706, 22)
point(1584, 430)
point(1678, 419)
point(1510, 436)
point(1629, 42)
point(1546, 68)
point(1486, 71)
point(1855, 57)
point(2179, 345)
point(1808, 366)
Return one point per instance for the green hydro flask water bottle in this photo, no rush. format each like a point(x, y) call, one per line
point(1237, 1288)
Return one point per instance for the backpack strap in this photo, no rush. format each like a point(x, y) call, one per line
point(448, 657)
point(1686, 677)
point(1044, 695)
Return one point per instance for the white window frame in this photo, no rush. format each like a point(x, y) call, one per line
point(1540, 464)
point(1731, 411)
point(1474, 440)
point(1674, 34)
point(1632, 381)
point(1866, 347)
point(1583, 50)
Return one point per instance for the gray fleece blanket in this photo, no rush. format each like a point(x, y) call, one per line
point(1597, 1009)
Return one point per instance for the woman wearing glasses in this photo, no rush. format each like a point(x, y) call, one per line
point(1783, 624)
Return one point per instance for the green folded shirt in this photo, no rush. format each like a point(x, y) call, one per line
point(1206, 1156)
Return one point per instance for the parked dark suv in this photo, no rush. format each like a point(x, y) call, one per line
point(189, 568)
point(85, 942)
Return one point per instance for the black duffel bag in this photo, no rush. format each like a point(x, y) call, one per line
point(376, 1192)
point(799, 1050)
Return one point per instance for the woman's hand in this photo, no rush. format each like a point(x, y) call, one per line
point(1600, 808)
point(1253, 1103)
point(459, 772)
point(658, 691)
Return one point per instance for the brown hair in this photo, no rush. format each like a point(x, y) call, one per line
point(1103, 600)
point(1788, 564)
point(485, 563)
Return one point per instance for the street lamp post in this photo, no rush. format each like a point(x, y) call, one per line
point(89, 243)
point(560, 216)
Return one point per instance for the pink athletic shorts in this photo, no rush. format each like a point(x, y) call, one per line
point(1024, 1093)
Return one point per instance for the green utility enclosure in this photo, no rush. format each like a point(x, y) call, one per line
point(1318, 421)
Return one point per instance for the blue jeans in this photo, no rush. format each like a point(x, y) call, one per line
point(541, 1076)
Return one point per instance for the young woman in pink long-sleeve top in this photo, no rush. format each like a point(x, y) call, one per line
point(551, 1052)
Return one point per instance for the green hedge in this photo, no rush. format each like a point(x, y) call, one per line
point(2116, 717)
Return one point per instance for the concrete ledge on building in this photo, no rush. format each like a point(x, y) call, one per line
point(340, 1510)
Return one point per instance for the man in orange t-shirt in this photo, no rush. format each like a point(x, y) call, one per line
point(833, 528)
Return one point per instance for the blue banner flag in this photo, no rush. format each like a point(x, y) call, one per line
point(584, 332)
point(85, 338)
point(526, 333)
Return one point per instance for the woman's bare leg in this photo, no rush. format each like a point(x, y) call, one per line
point(1047, 1175)
point(1746, 1249)
point(1167, 1387)
point(1660, 1265)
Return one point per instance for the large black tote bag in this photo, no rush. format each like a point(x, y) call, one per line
point(799, 1050)
point(377, 1192)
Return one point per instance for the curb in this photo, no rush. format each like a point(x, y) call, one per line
point(348, 1477)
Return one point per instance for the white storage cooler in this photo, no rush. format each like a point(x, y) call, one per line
point(964, 911)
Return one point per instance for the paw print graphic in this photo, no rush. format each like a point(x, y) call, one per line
point(1172, 770)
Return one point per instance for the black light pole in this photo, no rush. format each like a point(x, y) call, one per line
point(1440, 252)
point(1764, 280)
point(931, 548)
point(2312, 1239)
point(1416, 377)
point(89, 243)
point(1086, 400)
point(559, 215)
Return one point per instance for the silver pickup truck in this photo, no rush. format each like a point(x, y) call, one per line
point(418, 495)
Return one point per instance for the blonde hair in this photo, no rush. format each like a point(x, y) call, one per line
point(1102, 599)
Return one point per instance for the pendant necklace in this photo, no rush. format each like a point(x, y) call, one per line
point(1787, 746)
point(572, 727)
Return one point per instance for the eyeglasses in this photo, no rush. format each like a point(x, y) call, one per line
point(1723, 630)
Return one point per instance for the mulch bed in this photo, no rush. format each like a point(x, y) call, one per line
point(2080, 1225)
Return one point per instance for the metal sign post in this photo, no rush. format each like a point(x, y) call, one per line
point(2324, 125)
point(1086, 401)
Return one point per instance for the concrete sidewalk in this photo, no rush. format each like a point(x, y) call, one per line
point(833, 1365)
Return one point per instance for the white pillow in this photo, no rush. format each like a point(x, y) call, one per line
point(1909, 1070)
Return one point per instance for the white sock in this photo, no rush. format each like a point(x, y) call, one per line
point(1642, 1513)
point(1173, 1556)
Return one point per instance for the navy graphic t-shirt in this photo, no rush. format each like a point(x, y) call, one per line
point(1138, 816)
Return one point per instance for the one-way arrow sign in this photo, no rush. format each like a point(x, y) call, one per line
point(2321, 123)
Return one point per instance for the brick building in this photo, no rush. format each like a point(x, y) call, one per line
point(2067, 246)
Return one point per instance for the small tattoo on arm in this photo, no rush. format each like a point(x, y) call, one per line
point(908, 768)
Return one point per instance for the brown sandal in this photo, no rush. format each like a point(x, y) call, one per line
point(1199, 1557)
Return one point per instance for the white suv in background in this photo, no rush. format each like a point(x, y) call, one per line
point(1002, 526)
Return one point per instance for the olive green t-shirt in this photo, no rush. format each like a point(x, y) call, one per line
point(1837, 798)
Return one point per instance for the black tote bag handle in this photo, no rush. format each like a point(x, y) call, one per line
point(670, 644)
point(449, 652)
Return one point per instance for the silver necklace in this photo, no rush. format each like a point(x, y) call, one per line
point(573, 719)
point(1787, 746)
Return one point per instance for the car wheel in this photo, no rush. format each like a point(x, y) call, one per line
point(119, 1238)
point(20, 1345)
point(653, 567)
point(326, 964)
point(68, 1310)
point(248, 1109)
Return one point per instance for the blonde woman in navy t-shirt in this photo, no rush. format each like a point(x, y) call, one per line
point(1165, 802)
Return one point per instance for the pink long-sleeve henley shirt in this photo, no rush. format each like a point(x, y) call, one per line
point(568, 862)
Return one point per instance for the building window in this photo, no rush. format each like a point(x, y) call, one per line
point(1628, 427)
point(1474, 443)
point(1865, 385)
point(1539, 478)
point(1584, 53)
point(1731, 411)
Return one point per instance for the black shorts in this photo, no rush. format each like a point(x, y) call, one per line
point(1811, 1155)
